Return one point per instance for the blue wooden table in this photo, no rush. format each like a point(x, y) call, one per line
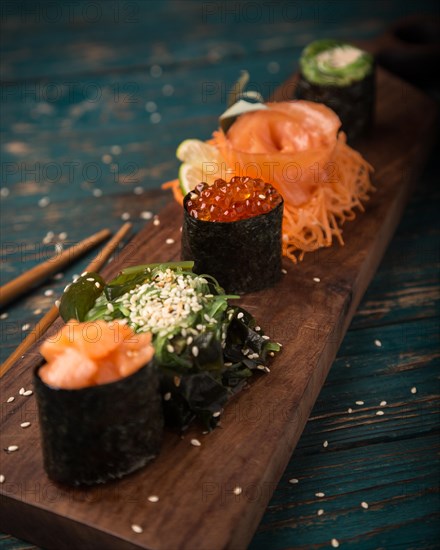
point(96, 96)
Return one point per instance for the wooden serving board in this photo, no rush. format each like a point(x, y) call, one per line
point(197, 507)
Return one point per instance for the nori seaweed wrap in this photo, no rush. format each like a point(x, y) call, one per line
point(342, 77)
point(98, 433)
point(244, 255)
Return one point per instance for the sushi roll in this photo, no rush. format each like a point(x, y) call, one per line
point(342, 77)
point(98, 402)
point(232, 230)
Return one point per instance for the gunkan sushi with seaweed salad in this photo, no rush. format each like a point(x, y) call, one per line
point(342, 77)
point(205, 348)
point(232, 230)
point(98, 402)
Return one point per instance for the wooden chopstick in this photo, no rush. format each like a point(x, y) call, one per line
point(39, 273)
point(45, 322)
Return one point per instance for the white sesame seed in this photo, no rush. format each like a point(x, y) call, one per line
point(195, 351)
point(360, 403)
point(150, 106)
point(155, 71)
point(125, 216)
point(170, 348)
point(2, 478)
point(10, 399)
point(350, 410)
point(138, 190)
point(25, 424)
point(58, 276)
point(153, 498)
point(293, 481)
point(195, 443)
point(146, 215)
point(37, 311)
point(257, 328)
point(335, 543)
point(284, 271)
point(62, 236)
point(167, 396)
point(97, 192)
point(320, 495)
point(380, 413)
point(156, 221)
point(57, 303)
point(110, 307)
point(240, 315)
point(317, 279)
point(90, 279)
point(167, 90)
point(116, 149)
point(413, 389)
point(43, 202)
point(378, 343)
point(364, 505)
point(12, 448)
point(325, 444)
point(155, 118)
point(136, 528)
point(169, 241)
point(262, 197)
point(25, 327)
point(265, 337)
point(21, 391)
point(27, 393)
point(4, 315)
point(97, 285)
point(320, 512)
point(238, 490)
point(383, 403)
point(216, 414)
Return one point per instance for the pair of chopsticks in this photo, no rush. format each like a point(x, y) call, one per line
point(23, 282)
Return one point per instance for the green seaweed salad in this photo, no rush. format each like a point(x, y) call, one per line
point(205, 348)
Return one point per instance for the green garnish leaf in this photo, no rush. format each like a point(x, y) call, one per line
point(80, 296)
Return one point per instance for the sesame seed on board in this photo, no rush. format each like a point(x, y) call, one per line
point(10, 399)
point(12, 448)
point(25, 425)
point(136, 528)
point(335, 543)
point(294, 481)
point(2, 478)
point(364, 505)
point(317, 279)
point(320, 512)
point(320, 495)
point(378, 343)
point(153, 498)
point(413, 390)
point(195, 443)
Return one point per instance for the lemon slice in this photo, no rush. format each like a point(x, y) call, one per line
point(201, 162)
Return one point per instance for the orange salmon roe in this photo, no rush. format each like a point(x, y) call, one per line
point(238, 199)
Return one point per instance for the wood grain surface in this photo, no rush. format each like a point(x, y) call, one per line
point(197, 505)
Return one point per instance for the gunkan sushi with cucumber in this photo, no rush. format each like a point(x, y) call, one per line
point(342, 77)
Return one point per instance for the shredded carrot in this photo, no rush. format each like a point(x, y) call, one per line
point(175, 188)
